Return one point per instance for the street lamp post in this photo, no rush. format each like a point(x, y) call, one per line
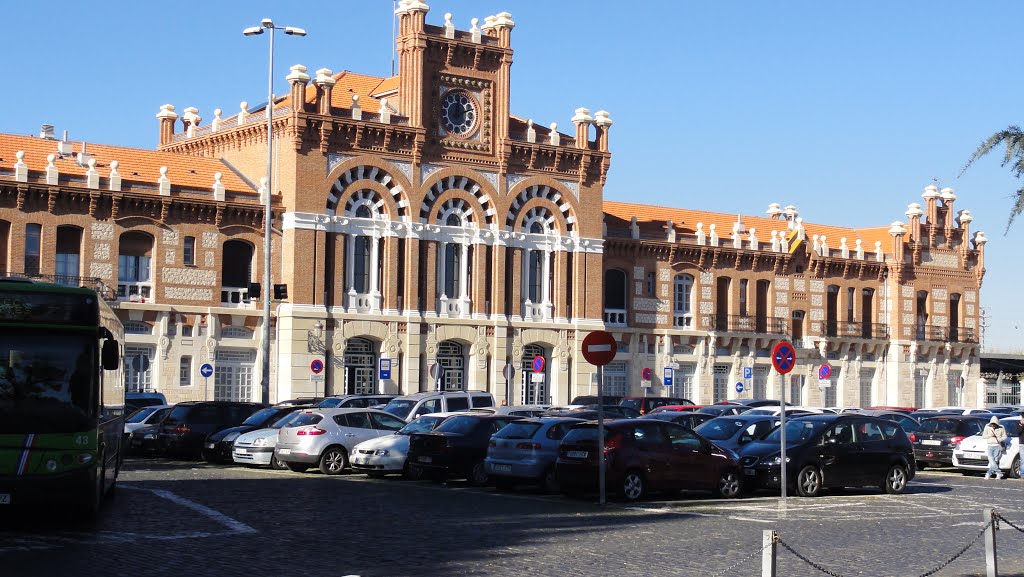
point(268, 24)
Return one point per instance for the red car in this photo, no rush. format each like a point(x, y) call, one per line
point(647, 404)
point(645, 455)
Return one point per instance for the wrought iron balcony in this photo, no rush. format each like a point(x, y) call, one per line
point(745, 324)
point(962, 335)
point(930, 333)
point(856, 330)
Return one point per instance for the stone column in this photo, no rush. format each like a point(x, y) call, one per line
point(374, 263)
point(390, 280)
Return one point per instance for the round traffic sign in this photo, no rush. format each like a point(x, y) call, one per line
point(538, 364)
point(509, 372)
point(434, 371)
point(784, 357)
point(140, 363)
point(599, 348)
point(646, 373)
point(824, 371)
point(206, 370)
point(739, 387)
point(317, 366)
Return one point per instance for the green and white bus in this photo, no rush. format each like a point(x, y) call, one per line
point(61, 396)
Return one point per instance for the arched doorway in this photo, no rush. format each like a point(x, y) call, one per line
point(451, 357)
point(360, 364)
point(535, 388)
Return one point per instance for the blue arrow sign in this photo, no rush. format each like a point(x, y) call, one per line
point(206, 370)
point(739, 387)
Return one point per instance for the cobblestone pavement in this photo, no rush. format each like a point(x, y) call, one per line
point(190, 519)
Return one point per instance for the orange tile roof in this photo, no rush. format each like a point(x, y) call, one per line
point(651, 220)
point(387, 85)
point(134, 164)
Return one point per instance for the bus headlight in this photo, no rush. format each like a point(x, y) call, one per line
point(51, 465)
point(85, 458)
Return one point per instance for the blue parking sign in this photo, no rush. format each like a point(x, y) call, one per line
point(748, 372)
point(666, 379)
point(385, 369)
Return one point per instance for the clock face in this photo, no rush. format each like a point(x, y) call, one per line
point(458, 113)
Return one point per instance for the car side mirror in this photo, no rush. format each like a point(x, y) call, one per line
point(110, 356)
point(744, 439)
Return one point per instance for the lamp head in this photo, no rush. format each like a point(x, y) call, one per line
point(293, 31)
point(252, 31)
point(267, 23)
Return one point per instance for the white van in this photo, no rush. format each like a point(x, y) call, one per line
point(411, 406)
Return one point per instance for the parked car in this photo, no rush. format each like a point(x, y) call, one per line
point(684, 418)
point(409, 407)
point(218, 447)
point(144, 417)
point(257, 447)
point(645, 455)
point(525, 452)
point(831, 451)
point(389, 454)
point(687, 408)
point(185, 428)
point(325, 438)
point(734, 431)
point(134, 401)
point(971, 454)
point(521, 410)
point(908, 422)
point(457, 448)
point(752, 402)
point(936, 437)
point(354, 401)
point(790, 411)
point(300, 401)
point(593, 400)
point(907, 410)
point(145, 441)
point(589, 412)
point(647, 404)
point(719, 410)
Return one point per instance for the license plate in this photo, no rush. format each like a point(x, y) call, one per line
point(242, 451)
point(210, 445)
point(503, 468)
point(748, 471)
point(5, 498)
point(284, 451)
point(577, 454)
point(973, 455)
point(424, 459)
point(931, 442)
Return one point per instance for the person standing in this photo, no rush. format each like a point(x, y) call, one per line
point(994, 435)
point(1020, 443)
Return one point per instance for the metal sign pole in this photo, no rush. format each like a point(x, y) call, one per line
point(600, 435)
point(782, 435)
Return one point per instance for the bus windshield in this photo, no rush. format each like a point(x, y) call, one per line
point(47, 382)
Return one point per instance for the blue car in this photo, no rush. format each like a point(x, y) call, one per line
point(734, 431)
point(524, 452)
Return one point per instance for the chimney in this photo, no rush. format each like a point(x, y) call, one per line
point(324, 84)
point(603, 123)
point(46, 131)
point(582, 120)
point(503, 25)
point(298, 79)
point(191, 119)
point(167, 117)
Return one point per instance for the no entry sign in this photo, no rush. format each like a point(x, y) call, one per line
point(599, 348)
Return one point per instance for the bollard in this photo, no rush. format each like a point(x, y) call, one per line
point(768, 542)
point(991, 562)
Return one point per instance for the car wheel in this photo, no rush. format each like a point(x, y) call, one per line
point(478, 474)
point(728, 485)
point(895, 481)
point(333, 461)
point(1015, 468)
point(808, 481)
point(297, 467)
point(277, 464)
point(633, 485)
point(549, 482)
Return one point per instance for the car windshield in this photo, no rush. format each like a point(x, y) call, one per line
point(140, 415)
point(400, 408)
point(582, 433)
point(631, 403)
point(461, 425)
point(518, 431)
point(48, 382)
point(260, 417)
point(329, 403)
point(796, 431)
point(422, 424)
point(721, 428)
point(285, 420)
point(1012, 426)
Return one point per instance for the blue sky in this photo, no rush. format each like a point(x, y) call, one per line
point(845, 109)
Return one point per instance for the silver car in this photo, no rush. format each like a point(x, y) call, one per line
point(257, 447)
point(325, 438)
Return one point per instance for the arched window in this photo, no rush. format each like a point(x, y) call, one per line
point(536, 228)
point(452, 268)
point(453, 220)
point(135, 252)
point(682, 301)
point(535, 273)
point(363, 211)
point(137, 328)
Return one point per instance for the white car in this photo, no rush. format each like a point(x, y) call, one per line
point(388, 454)
point(971, 455)
point(257, 447)
point(145, 417)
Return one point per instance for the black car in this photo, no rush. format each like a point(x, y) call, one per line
point(145, 441)
point(908, 422)
point(752, 402)
point(684, 418)
point(184, 430)
point(589, 412)
point(734, 431)
point(822, 451)
point(456, 448)
point(218, 446)
point(935, 439)
point(593, 400)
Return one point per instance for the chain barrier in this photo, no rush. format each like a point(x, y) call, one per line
point(729, 570)
point(926, 574)
point(1008, 522)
